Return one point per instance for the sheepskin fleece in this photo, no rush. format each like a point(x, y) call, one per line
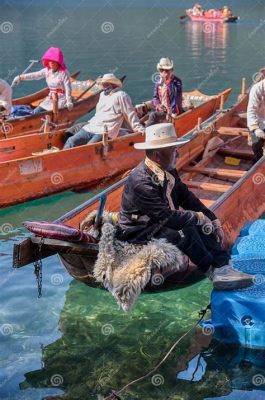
point(125, 269)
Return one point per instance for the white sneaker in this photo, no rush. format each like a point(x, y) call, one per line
point(229, 278)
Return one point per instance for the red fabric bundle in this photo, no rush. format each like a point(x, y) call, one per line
point(56, 230)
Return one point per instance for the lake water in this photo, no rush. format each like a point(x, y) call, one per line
point(73, 340)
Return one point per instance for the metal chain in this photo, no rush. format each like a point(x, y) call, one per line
point(38, 268)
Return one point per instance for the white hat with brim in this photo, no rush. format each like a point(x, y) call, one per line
point(160, 136)
point(165, 63)
point(110, 78)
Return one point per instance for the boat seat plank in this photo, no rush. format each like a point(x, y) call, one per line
point(240, 153)
point(229, 131)
point(208, 186)
point(216, 172)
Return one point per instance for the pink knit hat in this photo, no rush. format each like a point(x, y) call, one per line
point(53, 54)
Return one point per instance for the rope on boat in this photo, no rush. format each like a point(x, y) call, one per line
point(115, 394)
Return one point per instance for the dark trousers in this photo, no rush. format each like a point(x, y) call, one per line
point(202, 249)
point(257, 146)
point(155, 117)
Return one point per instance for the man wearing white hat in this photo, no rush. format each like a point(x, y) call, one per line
point(167, 93)
point(150, 205)
point(256, 117)
point(114, 107)
point(5, 98)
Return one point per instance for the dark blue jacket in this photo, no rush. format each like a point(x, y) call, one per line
point(144, 208)
point(175, 94)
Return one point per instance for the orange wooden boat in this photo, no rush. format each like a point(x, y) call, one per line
point(235, 193)
point(31, 176)
point(19, 126)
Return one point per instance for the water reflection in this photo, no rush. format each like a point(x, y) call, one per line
point(202, 36)
point(89, 360)
point(226, 369)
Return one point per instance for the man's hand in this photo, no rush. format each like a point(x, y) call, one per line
point(70, 106)
point(161, 108)
point(218, 231)
point(259, 133)
point(16, 80)
point(205, 223)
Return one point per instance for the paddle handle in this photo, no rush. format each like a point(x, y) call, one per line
point(243, 86)
point(100, 211)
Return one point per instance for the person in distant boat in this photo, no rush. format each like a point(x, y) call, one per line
point(256, 118)
point(5, 98)
point(197, 10)
point(167, 94)
point(114, 108)
point(227, 12)
point(57, 78)
point(150, 208)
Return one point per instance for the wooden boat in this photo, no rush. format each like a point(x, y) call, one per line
point(203, 18)
point(24, 176)
point(235, 193)
point(21, 126)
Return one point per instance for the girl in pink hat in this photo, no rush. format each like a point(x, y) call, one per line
point(57, 78)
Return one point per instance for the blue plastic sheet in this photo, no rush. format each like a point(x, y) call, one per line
point(238, 316)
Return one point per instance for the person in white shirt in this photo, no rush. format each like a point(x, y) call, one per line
point(5, 98)
point(113, 108)
point(57, 78)
point(256, 118)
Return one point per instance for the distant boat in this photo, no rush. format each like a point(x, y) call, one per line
point(203, 18)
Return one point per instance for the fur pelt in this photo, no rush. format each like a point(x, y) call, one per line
point(125, 268)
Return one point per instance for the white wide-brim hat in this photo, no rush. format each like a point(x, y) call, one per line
point(160, 136)
point(165, 63)
point(110, 78)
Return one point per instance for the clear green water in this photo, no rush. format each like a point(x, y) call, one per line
point(74, 340)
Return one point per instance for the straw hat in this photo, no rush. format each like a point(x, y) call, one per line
point(165, 63)
point(160, 136)
point(110, 78)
